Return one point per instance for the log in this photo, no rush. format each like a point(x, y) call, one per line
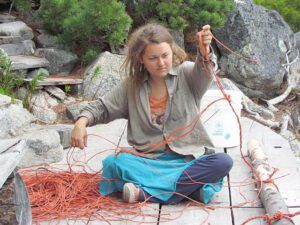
point(269, 195)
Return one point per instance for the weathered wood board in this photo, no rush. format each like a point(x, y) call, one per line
point(10, 158)
point(241, 215)
point(180, 214)
point(148, 214)
point(240, 179)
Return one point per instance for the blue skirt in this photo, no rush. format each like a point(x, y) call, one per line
point(157, 177)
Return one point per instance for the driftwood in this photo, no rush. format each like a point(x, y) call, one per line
point(256, 111)
point(269, 195)
point(290, 84)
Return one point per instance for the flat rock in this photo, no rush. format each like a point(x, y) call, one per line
point(6, 18)
point(21, 62)
point(53, 81)
point(26, 47)
point(10, 40)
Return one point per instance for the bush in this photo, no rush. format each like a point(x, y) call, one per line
point(8, 81)
point(90, 55)
point(288, 9)
point(22, 6)
point(85, 24)
point(178, 14)
point(213, 12)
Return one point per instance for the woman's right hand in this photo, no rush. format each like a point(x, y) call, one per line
point(79, 133)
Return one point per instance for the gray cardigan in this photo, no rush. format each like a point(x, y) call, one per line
point(186, 85)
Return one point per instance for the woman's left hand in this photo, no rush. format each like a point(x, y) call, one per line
point(204, 38)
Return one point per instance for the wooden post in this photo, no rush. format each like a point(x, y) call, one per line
point(269, 195)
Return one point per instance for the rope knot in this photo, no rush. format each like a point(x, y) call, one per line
point(278, 215)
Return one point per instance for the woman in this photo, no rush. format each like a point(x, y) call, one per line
point(161, 99)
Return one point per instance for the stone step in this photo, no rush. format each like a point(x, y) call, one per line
point(16, 28)
point(6, 18)
point(20, 62)
point(54, 80)
point(26, 47)
point(10, 40)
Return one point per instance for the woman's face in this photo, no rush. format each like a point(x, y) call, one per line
point(157, 59)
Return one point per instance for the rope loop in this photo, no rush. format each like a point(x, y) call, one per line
point(268, 219)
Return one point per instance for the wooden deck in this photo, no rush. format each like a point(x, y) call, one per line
point(238, 200)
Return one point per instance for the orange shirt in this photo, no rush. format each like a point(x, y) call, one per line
point(158, 108)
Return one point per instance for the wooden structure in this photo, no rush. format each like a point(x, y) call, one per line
point(238, 200)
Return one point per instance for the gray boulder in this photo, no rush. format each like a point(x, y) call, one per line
point(34, 72)
point(259, 33)
point(45, 40)
point(43, 147)
point(41, 107)
point(297, 40)
point(17, 28)
point(110, 73)
point(13, 118)
point(61, 61)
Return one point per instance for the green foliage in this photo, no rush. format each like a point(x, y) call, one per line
point(33, 83)
point(32, 87)
point(22, 5)
point(288, 9)
point(96, 72)
point(86, 24)
point(178, 14)
point(213, 12)
point(90, 55)
point(67, 88)
point(8, 81)
point(170, 12)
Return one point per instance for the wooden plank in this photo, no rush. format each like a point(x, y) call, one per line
point(10, 159)
point(281, 157)
point(98, 147)
point(243, 193)
point(181, 214)
point(241, 215)
point(5, 144)
point(147, 214)
point(296, 219)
